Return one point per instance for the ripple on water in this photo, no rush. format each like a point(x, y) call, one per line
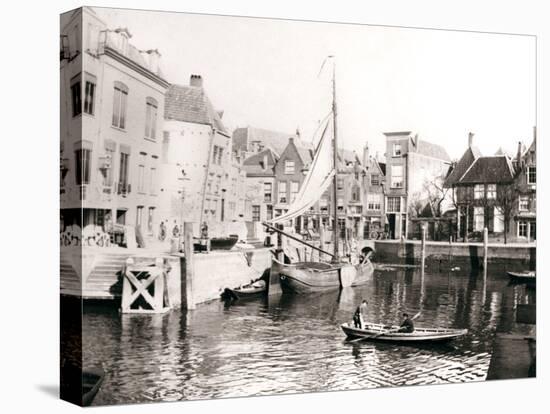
point(290, 344)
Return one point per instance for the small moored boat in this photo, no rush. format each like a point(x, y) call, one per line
point(254, 289)
point(380, 332)
point(526, 276)
point(91, 382)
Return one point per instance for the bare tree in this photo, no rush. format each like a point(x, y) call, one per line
point(506, 199)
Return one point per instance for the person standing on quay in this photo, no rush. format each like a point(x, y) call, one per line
point(360, 315)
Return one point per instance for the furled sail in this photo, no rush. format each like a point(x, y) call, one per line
point(318, 178)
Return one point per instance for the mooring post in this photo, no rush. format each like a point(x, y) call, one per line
point(321, 241)
point(485, 248)
point(189, 265)
point(423, 252)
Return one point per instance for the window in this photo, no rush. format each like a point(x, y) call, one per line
point(269, 212)
point(394, 204)
point(374, 179)
point(83, 166)
point(397, 176)
point(340, 183)
point(522, 229)
point(531, 175)
point(491, 191)
point(533, 230)
point(355, 196)
point(478, 219)
point(76, 95)
point(120, 97)
point(217, 155)
point(340, 204)
point(141, 173)
point(89, 95)
point(153, 181)
point(323, 205)
point(150, 219)
point(267, 192)
point(498, 221)
point(139, 216)
point(151, 107)
point(396, 149)
point(374, 201)
point(123, 171)
point(294, 187)
point(289, 167)
point(282, 191)
point(479, 191)
point(255, 213)
point(523, 203)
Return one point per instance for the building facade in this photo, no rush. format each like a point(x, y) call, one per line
point(411, 164)
point(202, 180)
point(112, 100)
point(497, 193)
point(374, 178)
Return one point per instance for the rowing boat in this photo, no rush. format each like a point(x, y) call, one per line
point(526, 276)
point(242, 292)
point(380, 332)
point(91, 381)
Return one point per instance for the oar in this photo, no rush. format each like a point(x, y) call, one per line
point(383, 332)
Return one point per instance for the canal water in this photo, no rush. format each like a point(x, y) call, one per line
point(293, 344)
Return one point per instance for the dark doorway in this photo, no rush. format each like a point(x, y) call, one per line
point(391, 225)
point(121, 217)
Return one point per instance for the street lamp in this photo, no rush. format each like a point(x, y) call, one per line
point(223, 203)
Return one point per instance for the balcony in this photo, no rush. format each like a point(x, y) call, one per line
point(123, 189)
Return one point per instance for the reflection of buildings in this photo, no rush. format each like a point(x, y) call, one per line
point(411, 164)
point(111, 98)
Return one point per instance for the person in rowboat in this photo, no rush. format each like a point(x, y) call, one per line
point(407, 326)
point(360, 315)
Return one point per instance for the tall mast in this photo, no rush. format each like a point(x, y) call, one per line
point(335, 160)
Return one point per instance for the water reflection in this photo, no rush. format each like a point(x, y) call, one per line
point(290, 343)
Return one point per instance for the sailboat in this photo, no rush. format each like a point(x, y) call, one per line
point(309, 276)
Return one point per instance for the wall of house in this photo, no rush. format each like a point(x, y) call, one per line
point(98, 134)
point(290, 153)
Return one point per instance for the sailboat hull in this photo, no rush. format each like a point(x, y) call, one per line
point(310, 277)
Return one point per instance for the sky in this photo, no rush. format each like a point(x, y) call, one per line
point(266, 73)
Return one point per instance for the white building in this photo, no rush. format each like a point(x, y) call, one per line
point(112, 99)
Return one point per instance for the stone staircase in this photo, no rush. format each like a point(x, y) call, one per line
point(100, 271)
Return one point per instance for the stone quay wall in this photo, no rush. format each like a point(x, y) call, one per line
point(464, 255)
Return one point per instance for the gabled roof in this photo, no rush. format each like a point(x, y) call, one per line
point(253, 165)
point(191, 104)
point(432, 150)
point(469, 156)
point(496, 169)
point(243, 137)
point(306, 155)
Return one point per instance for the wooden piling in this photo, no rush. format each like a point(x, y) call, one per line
point(423, 252)
point(485, 248)
point(189, 265)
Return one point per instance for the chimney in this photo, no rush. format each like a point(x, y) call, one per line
point(470, 139)
point(265, 162)
point(291, 140)
point(518, 156)
point(365, 154)
point(152, 57)
point(196, 80)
